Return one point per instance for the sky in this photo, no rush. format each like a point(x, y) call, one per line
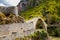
point(9, 2)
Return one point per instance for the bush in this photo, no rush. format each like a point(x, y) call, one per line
point(39, 35)
point(57, 33)
point(53, 31)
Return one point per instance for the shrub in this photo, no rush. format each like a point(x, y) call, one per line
point(53, 31)
point(39, 35)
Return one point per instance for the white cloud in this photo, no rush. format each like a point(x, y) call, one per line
point(1, 4)
point(10, 2)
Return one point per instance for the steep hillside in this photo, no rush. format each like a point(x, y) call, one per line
point(33, 12)
point(49, 10)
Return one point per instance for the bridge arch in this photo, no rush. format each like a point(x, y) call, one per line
point(38, 20)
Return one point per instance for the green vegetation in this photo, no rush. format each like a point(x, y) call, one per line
point(38, 35)
point(49, 10)
point(54, 31)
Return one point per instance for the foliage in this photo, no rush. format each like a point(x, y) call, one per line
point(47, 9)
point(39, 35)
point(53, 31)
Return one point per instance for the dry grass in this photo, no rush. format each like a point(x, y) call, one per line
point(55, 38)
point(10, 19)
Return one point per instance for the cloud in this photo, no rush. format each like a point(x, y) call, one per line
point(10, 2)
point(1, 4)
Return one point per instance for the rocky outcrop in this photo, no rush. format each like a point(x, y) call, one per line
point(26, 4)
point(9, 10)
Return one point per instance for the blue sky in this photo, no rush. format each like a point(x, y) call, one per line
point(9, 2)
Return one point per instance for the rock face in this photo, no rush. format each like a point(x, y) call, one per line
point(15, 30)
point(8, 10)
point(15, 27)
point(26, 4)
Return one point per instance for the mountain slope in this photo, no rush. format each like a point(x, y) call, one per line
point(49, 8)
